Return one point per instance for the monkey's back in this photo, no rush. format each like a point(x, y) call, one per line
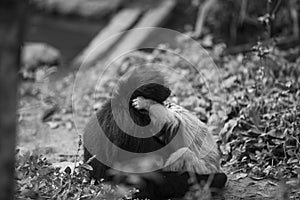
point(203, 150)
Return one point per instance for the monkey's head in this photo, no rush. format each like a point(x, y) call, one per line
point(153, 91)
point(150, 83)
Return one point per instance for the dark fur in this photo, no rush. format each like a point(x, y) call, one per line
point(171, 184)
point(119, 138)
point(171, 181)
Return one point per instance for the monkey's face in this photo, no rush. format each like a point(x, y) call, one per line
point(153, 91)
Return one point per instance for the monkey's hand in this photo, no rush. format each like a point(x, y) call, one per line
point(142, 103)
point(159, 114)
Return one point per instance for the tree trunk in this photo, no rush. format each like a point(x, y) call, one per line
point(11, 26)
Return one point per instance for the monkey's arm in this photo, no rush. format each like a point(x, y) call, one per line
point(159, 114)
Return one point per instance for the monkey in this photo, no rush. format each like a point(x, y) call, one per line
point(139, 101)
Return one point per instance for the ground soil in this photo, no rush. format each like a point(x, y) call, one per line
point(58, 139)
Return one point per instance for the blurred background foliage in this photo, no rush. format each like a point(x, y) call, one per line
point(243, 21)
point(233, 22)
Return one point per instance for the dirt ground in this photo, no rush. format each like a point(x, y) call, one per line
point(58, 139)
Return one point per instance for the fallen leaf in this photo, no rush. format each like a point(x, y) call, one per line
point(240, 176)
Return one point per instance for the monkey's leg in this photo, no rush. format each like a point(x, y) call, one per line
point(186, 160)
point(171, 184)
point(99, 169)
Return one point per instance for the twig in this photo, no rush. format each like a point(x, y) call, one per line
point(282, 42)
point(243, 12)
point(294, 16)
point(202, 13)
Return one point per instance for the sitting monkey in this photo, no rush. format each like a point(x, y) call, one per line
point(191, 147)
